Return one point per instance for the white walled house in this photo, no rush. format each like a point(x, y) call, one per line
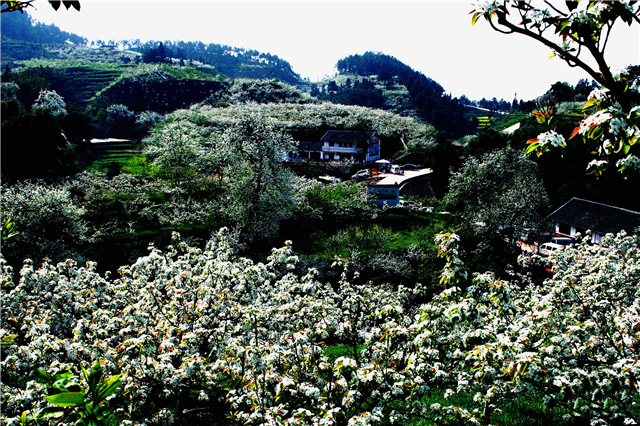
point(350, 145)
point(578, 215)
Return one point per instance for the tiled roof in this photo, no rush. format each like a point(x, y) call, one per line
point(305, 146)
point(393, 179)
point(346, 136)
point(597, 217)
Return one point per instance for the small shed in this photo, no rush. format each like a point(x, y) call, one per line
point(389, 187)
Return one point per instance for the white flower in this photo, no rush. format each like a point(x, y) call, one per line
point(598, 94)
point(630, 161)
point(552, 138)
point(600, 117)
point(487, 6)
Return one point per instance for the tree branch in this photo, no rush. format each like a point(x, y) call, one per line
point(566, 56)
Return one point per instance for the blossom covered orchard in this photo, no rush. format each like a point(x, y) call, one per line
point(254, 339)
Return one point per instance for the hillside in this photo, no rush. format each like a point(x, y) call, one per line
point(23, 39)
point(382, 81)
point(371, 80)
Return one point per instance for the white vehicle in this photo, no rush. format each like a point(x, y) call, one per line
point(547, 248)
point(395, 169)
point(330, 179)
point(362, 174)
point(562, 241)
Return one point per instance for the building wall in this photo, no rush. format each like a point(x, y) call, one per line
point(570, 231)
point(385, 194)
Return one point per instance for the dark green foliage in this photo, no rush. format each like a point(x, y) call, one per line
point(21, 26)
point(155, 54)
point(33, 146)
point(428, 97)
point(396, 246)
point(486, 140)
point(363, 93)
point(241, 64)
point(524, 410)
point(441, 157)
point(266, 91)
point(33, 80)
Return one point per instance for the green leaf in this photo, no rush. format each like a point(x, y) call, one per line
point(93, 377)
point(8, 340)
point(475, 18)
point(24, 419)
point(66, 399)
point(589, 103)
point(108, 388)
point(66, 385)
point(533, 145)
point(62, 376)
point(44, 378)
point(50, 412)
point(595, 132)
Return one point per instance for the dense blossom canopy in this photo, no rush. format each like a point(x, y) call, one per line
point(211, 322)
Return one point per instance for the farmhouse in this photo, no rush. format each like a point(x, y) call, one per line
point(350, 145)
point(307, 150)
point(578, 215)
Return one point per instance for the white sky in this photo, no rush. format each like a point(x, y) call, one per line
point(433, 37)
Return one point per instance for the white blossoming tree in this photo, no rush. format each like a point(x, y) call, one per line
point(52, 102)
point(50, 223)
point(195, 334)
point(578, 33)
point(259, 187)
point(500, 189)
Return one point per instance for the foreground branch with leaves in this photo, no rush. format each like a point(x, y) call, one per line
point(578, 33)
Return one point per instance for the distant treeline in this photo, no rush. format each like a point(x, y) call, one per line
point(232, 61)
point(21, 26)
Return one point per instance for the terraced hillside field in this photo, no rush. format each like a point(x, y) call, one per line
point(111, 156)
point(89, 81)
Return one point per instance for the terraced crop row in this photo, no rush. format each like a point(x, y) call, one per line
point(88, 82)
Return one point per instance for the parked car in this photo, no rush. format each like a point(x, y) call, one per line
point(395, 169)
point(330, 179)
point(409, 167)
point(361, 174)
point(547, 248)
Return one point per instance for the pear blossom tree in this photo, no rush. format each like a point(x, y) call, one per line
point(52, 102)
point(192, 332)
point(500, 189)
point(50, 223)
point(259, 186)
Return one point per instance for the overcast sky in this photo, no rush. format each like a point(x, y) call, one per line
point(433, 37)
